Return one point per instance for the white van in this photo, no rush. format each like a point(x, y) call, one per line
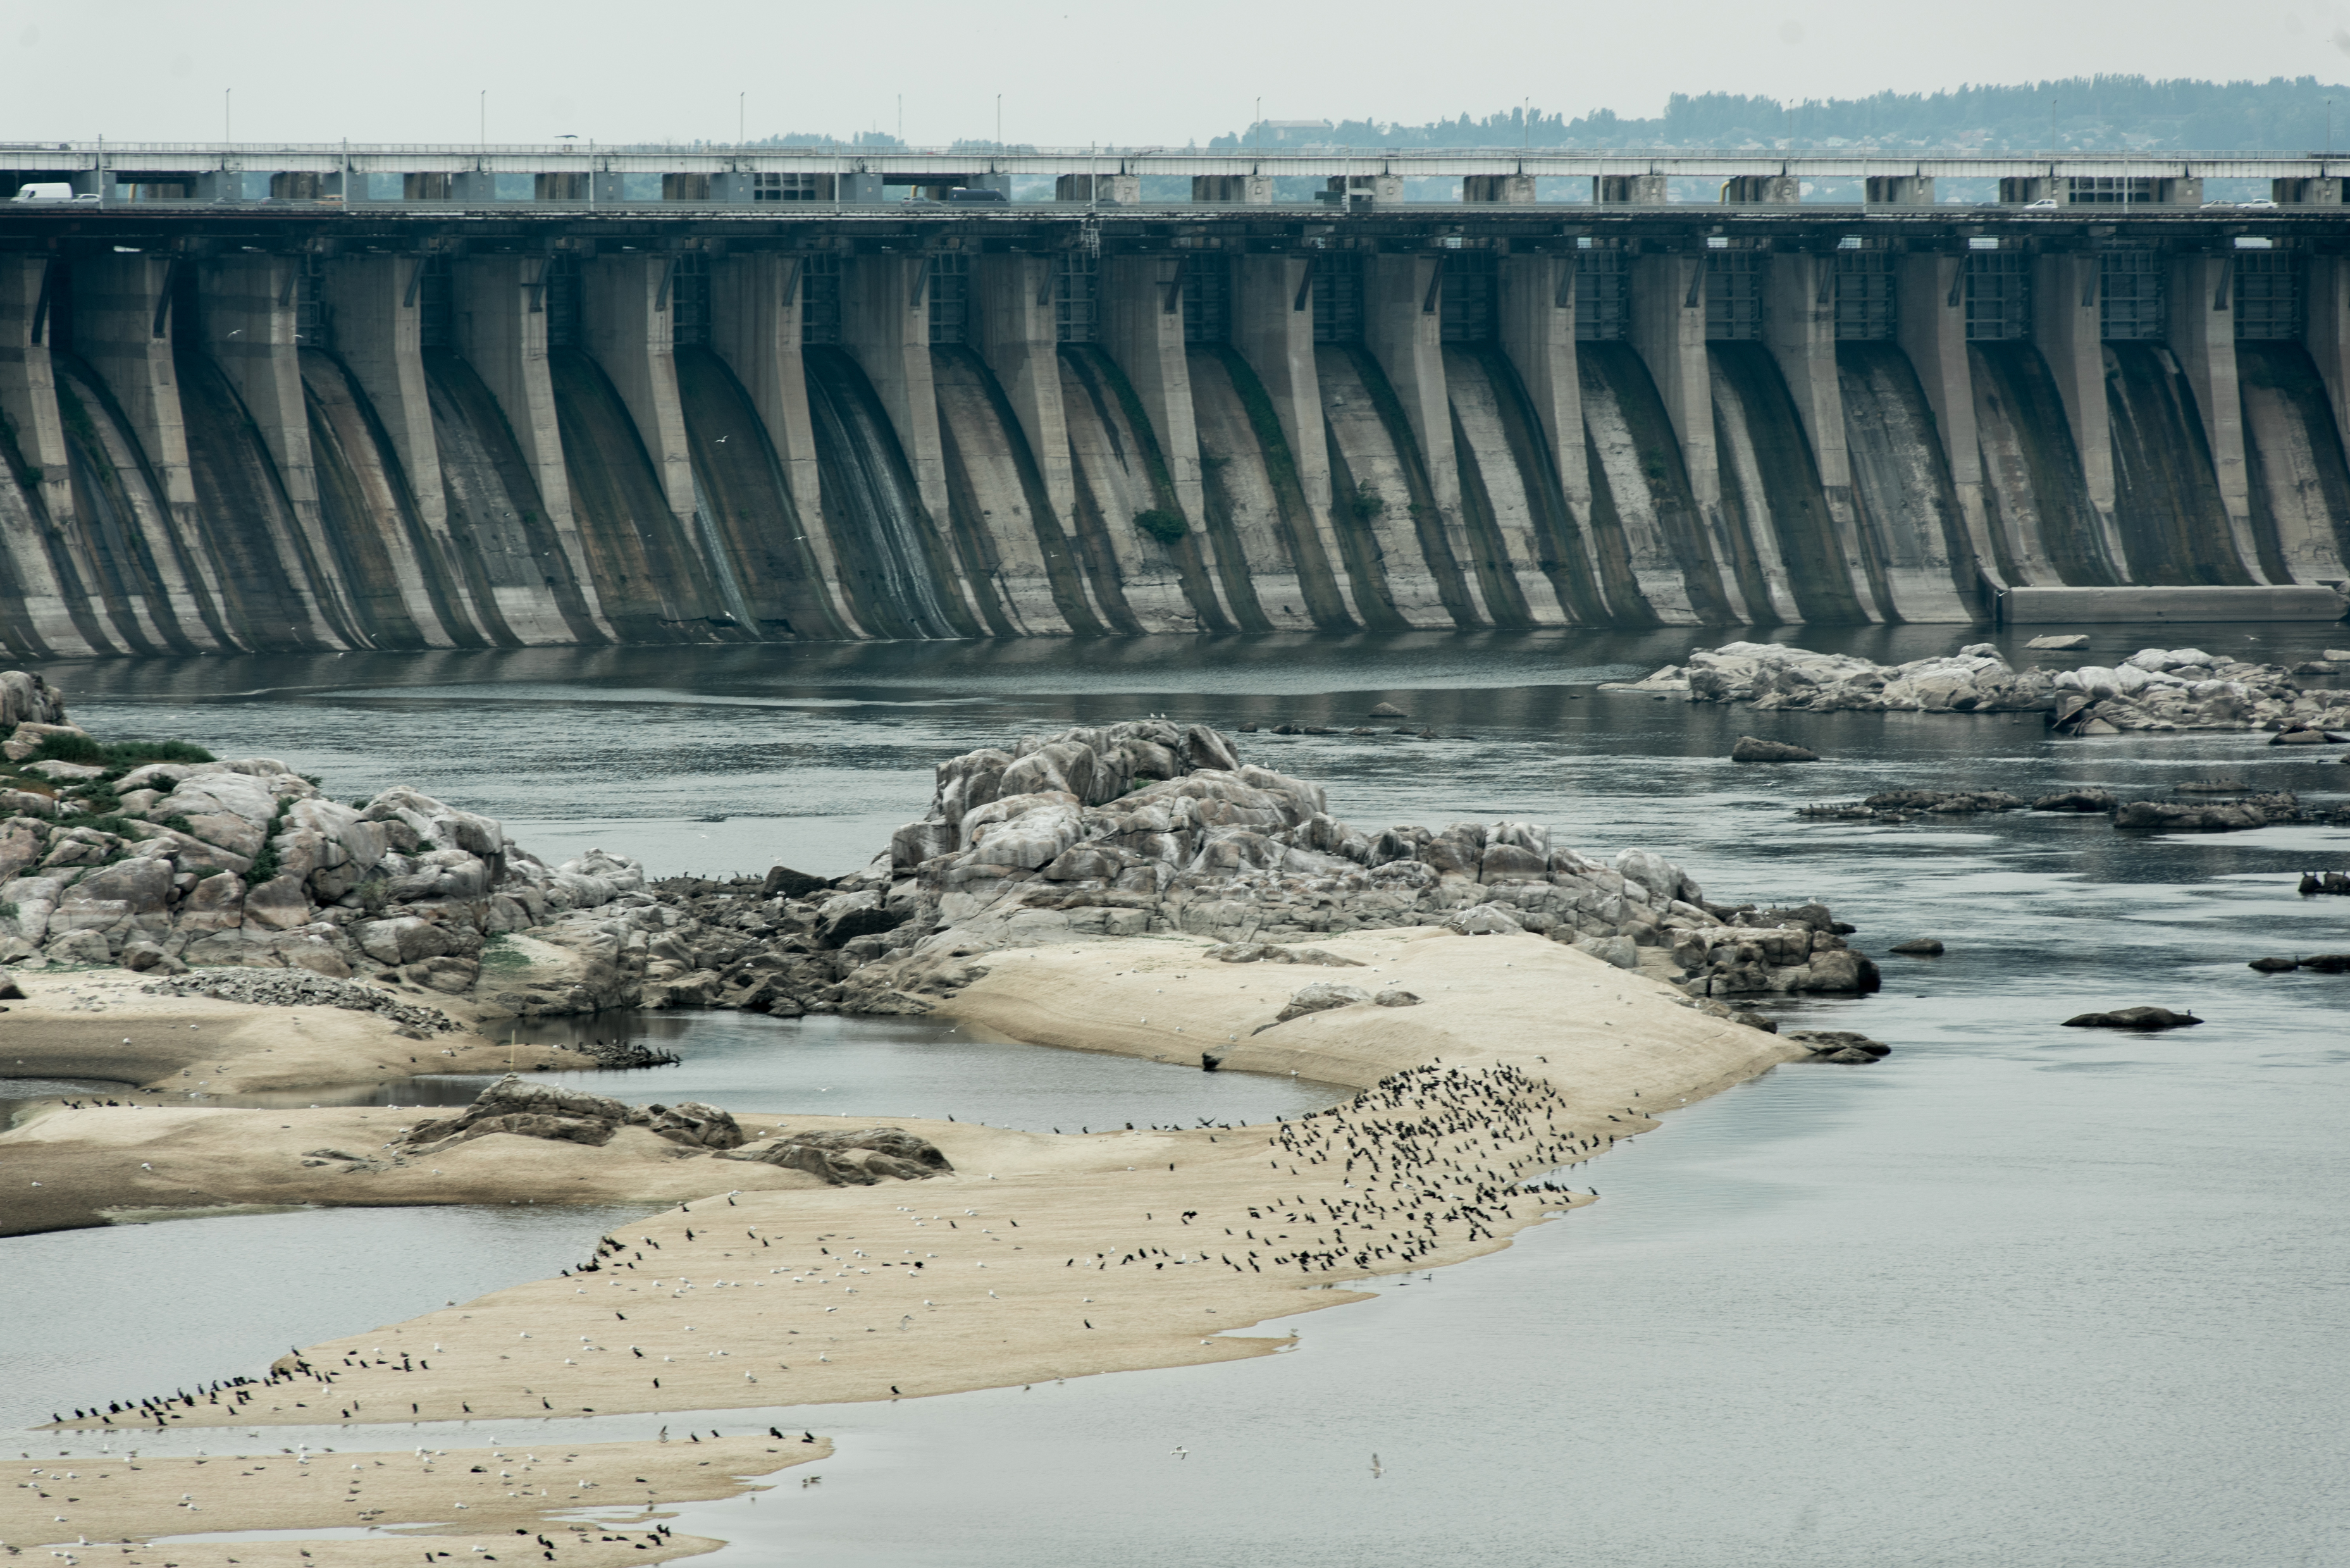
point(58, 191)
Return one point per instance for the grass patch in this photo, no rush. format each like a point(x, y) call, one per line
point(499, 952)
point(1167, 528)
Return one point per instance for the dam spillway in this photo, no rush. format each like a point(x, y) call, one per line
point(451, 422)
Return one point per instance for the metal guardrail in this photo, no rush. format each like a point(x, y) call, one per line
point(949, 162)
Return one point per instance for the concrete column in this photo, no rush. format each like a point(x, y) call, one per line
point(863, 189)
point(28, 400)
point(2068, 326)
point(1667, 330)
point(2201, 307)
point(624, 315)
point(1761, 190)
point(1138, 322)
point(1402, 322)
point(1117, 190)
point(2326, 331)
point(1537, 322)
point(373, 299)
point(1254, 190)
point(1017, 337)
point(248, 320)
point(2325, 192)
point(501, 321)
point(1272, 328)
point(1510, 189)
point(1799, 329)
point(2184, 192)
point(1932, 331)
point(885, 324)
point(122, 330)
point(754, 325)
point(1628, 189)
point(475, 189)
point(1899, 190)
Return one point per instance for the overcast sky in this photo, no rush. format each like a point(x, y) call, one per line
point(1068, 74)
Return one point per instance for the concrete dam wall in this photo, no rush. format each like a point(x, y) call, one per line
point(209, 449)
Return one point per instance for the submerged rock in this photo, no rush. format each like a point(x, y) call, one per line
point(1918, 946)
point(1841, 1045)
point(1752, 749)
point(2078, 800)
point(2133, 1018)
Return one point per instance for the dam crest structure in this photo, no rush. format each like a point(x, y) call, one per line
point(770, 405)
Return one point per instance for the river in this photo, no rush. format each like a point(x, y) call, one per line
point(2020, 1294)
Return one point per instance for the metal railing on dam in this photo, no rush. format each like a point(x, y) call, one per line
point(449, 420)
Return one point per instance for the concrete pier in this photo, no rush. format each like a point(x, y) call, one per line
point(2203, 336)
point(28, 401)
point(2067, 328)
point(1932, 333)
point(500, 323)
point(1403, 328)
point(1799, 329)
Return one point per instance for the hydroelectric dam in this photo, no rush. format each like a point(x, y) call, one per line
point(382, 407)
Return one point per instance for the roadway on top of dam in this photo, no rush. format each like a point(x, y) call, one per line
point(929, 164)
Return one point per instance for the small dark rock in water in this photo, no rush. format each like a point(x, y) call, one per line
point(1288, 729)
point(2274, 965)
point(2328, 963)
point(1943, 802)
point(1919, 947)
point(2209, 786)
point(1751, 749)
point(1247, 727)
point(1756, 1020)
point(2302, 735)
point(1841, 1045)
point(1362, 731)
point(1387, 710)
point(2133, 1018)
point(2084, 800)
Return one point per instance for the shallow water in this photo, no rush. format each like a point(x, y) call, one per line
point(2020, 1294)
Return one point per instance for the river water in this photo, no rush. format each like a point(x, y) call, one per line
point(2020, 1294)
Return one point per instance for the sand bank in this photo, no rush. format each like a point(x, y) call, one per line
point(497, 1498)
point(1048, 1256)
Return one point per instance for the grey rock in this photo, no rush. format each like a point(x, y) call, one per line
point(1752, 749)
point(1321, 997)
point(1919, 947)
point(1395, 997)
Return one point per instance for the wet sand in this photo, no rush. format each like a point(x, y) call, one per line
point(120, 1503)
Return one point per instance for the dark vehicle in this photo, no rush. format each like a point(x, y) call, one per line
point(977, 193)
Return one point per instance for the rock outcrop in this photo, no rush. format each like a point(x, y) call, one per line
point(528, 1109)
point(2154, 688)
point(860, 1157)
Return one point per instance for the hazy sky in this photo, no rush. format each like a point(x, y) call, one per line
point(1069, 74)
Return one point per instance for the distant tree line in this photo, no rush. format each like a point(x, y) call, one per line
point(2082, 113)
